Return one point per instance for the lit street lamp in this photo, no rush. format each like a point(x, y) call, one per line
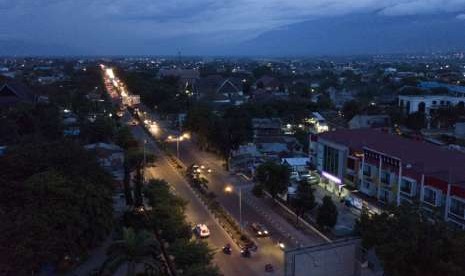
point(145, 162)
point(178, 139)
point(229, 189)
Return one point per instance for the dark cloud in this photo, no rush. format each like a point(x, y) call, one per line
point(122, 24)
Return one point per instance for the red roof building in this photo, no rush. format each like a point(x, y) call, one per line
point(387, 168)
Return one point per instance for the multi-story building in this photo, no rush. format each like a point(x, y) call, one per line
point(427, 102)
point(373, 168)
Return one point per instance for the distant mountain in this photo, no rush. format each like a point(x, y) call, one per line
point(361, 34)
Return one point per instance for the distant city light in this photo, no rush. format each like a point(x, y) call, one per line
point(110, 73)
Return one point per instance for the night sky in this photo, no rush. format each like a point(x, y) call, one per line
point(165, 26)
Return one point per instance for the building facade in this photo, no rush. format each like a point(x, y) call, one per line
point(371, 168)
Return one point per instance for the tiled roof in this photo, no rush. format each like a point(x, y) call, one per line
point(19, 91)
point(420, 155)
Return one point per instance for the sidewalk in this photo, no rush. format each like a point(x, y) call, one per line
point(346, 215)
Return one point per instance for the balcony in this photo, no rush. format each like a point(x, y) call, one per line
point(457, 219)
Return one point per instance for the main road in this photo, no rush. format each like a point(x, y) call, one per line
point(196, 212)
point(253, 210)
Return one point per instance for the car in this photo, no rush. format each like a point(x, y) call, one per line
point(259, 230)
point(133, 123)
point(250, 245)
point(202, 231)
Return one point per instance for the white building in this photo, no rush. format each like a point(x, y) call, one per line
point(425, 103)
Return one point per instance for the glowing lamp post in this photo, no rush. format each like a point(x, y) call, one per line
point(229, 189)
point(178, 139)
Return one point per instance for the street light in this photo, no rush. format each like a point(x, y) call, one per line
point(185, 136)
point(145, 161)
point(230, 189)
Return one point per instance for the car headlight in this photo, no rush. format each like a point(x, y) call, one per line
point(259, 232)
point(266, 232)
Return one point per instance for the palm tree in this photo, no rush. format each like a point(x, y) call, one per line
point(135, 248)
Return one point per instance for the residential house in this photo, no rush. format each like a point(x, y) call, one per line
point(268, 83)
point(266, 127)
point(220, 91)
point(245, 158)
point(13, 93)
point(299, 166)
point(369, 121)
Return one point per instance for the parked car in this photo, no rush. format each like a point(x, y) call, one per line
point(202, 231)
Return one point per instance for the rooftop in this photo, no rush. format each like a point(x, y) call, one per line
point(434, 84)
point(420, 155)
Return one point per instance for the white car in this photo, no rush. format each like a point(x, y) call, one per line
point(202, 231)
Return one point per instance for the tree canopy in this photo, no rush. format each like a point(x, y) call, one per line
point(327, 213)
point(409, 243)
point(56, 204)
point(274, 177)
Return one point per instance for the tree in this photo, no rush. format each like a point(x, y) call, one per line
point(257, 190)
point(127, 184)
point(138, 183)
point(135, 158)
point(55, 202)
point(327, 213)
point(134, 248)
point(410, 243)
point(351, 108)
point(302, 136)
point(416, 121)
point(190, 253)
point(304, 199)
point(102, 130)
point(324, 101)
point(124, 138)
point(274, 177)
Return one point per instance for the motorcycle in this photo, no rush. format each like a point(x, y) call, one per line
point(227, 249)
point(246, 253)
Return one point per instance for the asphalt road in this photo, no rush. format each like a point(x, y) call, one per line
point(253, 210)
point(196, 212)
point(280, 228)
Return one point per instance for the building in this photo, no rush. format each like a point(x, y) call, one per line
point(245, 158)
point(371, 168)
point(369, 121)
point(219, 90)
point(338, 258)
point(266, 127)
point(13, 93)
point(297, 164)
point(425, 103)
point(268, 83)
point(318, 123)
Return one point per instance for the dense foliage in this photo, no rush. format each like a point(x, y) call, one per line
point(409, 243)
point(273, 177)
point(55, 204)
point(163, 94)
point(304, 199)
point(221, 133)
point(167, 217)
point(29, 123)
point(135, 248)
point(327, 213)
